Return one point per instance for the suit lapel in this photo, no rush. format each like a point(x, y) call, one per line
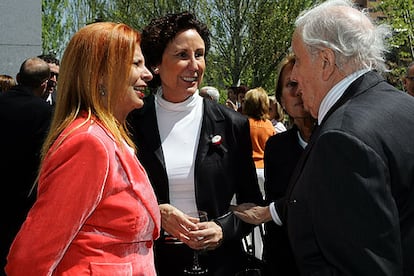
point(213, 124)
point(358, 86)
point(150, 126)
point(302, 161)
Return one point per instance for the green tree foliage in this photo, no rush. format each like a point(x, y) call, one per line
point(62, 18)
point(399, 14)
point(230, 38)
point(270, 26)
point(138, 13)
point(249, 37)
point(53, 30)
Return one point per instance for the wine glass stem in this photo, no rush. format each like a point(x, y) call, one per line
point(195, 260)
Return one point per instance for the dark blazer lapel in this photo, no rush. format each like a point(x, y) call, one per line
point(150, 126)
point(210, 126)
point(149, 149)
point(301, 163)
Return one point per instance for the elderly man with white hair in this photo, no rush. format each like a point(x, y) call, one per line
point(349, 207)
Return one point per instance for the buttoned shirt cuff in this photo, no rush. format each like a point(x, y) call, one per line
point(273, 213)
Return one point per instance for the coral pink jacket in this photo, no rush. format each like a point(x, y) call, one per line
point(95, 214)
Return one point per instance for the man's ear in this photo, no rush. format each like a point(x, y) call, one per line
point(404, 81)
point(328, 66)
point(40, 91)
point(43, 88)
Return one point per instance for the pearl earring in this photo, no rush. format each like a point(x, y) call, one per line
point(156, 70)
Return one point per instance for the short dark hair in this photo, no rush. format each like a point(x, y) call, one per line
point(49, 58)
point(238, 89)
point(161, 31)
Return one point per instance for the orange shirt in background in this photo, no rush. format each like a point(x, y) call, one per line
point(260, 131)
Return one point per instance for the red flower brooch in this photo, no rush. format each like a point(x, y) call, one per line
point(216, 141)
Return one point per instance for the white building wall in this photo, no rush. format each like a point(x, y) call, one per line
point(20, 33)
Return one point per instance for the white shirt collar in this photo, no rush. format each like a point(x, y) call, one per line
point(186, 105)
point(302, 142)
point(336, 92)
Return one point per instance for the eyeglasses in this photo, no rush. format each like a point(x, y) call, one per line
point(411, 78)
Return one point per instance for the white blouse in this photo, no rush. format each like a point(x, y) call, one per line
point(179, 126)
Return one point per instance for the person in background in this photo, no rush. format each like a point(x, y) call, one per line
point(24, 121)
point(349, 207)
point(241, 92)
point(210, 92)
point(408, 80)
point(6, 82)
point(235, 97)
point(96, 212)
point(276, 114)
point(197, 152)
point(231, 101)
point(54, 65)
point(256, 108)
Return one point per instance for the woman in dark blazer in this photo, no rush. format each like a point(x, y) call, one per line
point(282, 153)
point(197, 153)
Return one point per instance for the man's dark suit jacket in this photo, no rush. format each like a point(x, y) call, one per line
point(220, 172)
point(350, 207)
point(281, 156)
point(24, 122)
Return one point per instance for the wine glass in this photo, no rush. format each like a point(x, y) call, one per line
point(196, 268)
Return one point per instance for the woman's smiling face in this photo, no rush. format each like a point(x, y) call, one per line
point(138, 78)
point(182, 67)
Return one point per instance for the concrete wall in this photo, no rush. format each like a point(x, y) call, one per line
point(20, 33)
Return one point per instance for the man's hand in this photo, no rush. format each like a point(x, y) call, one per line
point(251, 213)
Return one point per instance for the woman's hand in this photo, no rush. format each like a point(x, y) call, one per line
point(208, 236)
point(197, 235)
point(175, 222)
